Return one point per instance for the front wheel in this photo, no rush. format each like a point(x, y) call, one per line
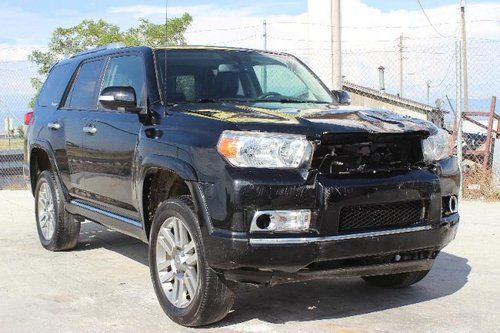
point(189, 291)
point(401, 280)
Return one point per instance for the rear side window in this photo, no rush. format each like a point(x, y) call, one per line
point(54, 86)
point(82, 95)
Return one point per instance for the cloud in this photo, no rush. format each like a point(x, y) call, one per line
point(371, 38)
point(369, 34)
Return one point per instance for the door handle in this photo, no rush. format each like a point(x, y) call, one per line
point(90, 130)
point(54, 126)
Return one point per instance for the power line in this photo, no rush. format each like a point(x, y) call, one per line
point(429, 20)
point(255, 26)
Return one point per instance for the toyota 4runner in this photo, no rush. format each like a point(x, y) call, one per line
point(235, 166)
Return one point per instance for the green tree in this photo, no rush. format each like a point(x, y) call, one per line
point(20, 131)
point(94, 33)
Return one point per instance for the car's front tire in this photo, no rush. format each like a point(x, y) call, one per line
point(57, 229)
point(189, 291)
point(401, 280)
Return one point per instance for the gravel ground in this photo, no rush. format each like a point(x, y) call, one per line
point(104, 286)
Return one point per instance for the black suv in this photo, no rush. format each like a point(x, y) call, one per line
point(236, 166)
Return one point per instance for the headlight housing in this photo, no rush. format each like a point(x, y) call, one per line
point(265, 150)
point(437, 146)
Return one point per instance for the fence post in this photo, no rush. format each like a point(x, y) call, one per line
point(489, 134)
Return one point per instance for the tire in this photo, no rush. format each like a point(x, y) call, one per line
point(212, 298)
point(401, 280)
point(58, 230)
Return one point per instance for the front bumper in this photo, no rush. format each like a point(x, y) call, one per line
point(291, 255)
point(260, 257)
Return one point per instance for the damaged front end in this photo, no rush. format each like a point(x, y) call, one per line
point(368, 153)
point(369, 202)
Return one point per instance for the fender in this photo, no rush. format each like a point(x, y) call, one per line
point(156, 162)
point(173, 164)
point(47, 148)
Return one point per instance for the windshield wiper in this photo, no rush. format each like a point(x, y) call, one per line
point(207, 100)
point(291, 101)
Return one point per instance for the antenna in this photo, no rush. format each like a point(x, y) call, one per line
point(165, 56)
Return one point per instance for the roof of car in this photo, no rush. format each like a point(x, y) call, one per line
point(113, 48)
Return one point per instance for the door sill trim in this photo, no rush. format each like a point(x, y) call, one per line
point(86, 206)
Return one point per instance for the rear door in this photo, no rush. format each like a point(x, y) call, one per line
point(49, 126)
point(112, 137)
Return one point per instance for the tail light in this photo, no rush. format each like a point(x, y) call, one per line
point(28, 117)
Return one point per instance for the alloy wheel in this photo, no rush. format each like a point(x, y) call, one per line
point(177, 262)
point(46, 211)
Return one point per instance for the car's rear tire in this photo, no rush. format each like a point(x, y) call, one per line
point(189, 291)
point(57, 229)
point(401, 280)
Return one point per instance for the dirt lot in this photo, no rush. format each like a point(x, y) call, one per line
point(104, 286)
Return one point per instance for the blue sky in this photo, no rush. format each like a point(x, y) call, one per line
point(274, 7)
point(26, 25)
point(29, 22)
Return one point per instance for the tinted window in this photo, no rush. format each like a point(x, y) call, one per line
point(247, 76)
point(83, 92)
point(54, 86)
point(127, 71)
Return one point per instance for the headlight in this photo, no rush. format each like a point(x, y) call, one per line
point(265, 150)
point(437, 146)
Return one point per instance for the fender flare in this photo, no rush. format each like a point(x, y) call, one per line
point(155, 162)
point(181, 168)
point(47, 148)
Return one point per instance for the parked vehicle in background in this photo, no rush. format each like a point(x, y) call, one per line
point(236, 166)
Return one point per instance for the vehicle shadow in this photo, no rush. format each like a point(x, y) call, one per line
point(307, 301)
point(95, 236)
point(344, 297)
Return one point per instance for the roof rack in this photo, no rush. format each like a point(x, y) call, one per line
point(111, 46)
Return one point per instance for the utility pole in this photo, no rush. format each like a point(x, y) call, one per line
point(465, 89)
point(401, 47)
point(458, 78)
point(264, 33)
point(336, 44)
point(264, 68)
point(428, 92)
point(465, 105)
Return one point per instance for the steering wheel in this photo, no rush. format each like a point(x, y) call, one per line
point(270, 94)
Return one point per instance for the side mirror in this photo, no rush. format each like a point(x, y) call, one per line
point(342, 96)
point(119, 98)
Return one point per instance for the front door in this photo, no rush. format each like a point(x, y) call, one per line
point(111, 139)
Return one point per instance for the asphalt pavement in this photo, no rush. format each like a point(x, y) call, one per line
point(104, 286)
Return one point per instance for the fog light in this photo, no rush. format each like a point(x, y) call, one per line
point(281, 221)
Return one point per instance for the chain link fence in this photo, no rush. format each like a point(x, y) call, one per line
point(15, 95)
point(413, 74)
point(420, 76)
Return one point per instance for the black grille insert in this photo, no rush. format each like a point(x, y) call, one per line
point(374, 217)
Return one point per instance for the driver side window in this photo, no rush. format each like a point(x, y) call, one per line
point(279, 79)
point(127, 71)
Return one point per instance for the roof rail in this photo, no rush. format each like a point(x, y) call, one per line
point(111, 46)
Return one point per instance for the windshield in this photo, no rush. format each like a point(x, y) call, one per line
point(203, 76)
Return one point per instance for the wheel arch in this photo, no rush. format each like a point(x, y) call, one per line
point(161, 178)
point(41, 158)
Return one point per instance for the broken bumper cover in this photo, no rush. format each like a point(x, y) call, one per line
point(329, 251)
point(370, 253)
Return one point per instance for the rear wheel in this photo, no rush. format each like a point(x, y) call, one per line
point(57, 229)
point(401, 280)
point(189, 291)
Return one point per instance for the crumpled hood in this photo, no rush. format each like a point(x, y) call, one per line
point(309, 119)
